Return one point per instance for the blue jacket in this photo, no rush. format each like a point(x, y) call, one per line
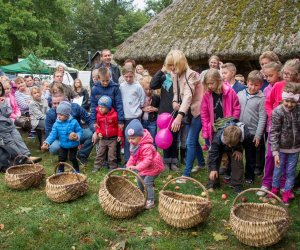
point(237, 87)
point(113, 91)
point(61, 131)
point(78, 113)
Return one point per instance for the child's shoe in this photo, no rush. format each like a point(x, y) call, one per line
point(181, 181)
point(261, 192)
point(31, 134)
point(226, 179)
point(174, 167)
point(285, 197)
point(197, 168)
point(249, 181)
point(205, 148)
point(274, 191)
point(149, 204)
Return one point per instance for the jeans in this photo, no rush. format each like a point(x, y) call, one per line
point(288, 163)
point(193, 147)
point(126, 142)
point(86, 140)
point(152, 128)
point(149, 181)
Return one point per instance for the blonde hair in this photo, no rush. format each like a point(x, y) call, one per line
point(37, 89)
point(255, 76)
point(273, 65)
point(269, 55)
point(178, 59)
point(214, 75)
point(103, 72)
point(139, 66)
point(240, 76)
point(77, 79)
point(232, 135)
point(214, 57)
point(18, 79)
point(294, 65)
point(127, 69)
point(146, 81)
point(56, 90)
point(292, 87)
point(229, 66)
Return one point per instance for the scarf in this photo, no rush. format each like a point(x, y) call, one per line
point(168, 82)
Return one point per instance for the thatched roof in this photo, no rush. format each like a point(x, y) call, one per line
point(235, 30)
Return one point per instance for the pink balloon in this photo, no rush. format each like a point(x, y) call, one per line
point(164, 120)
point(164, 138)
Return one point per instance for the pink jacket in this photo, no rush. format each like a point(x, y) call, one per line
point(15, 108)
point(230, 104)
point(147, 160)
point(274, 98)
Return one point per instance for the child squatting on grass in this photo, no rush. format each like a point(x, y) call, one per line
point(143, 157)
point(68, 132)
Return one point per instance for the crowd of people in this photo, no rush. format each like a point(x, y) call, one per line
point(233, 114)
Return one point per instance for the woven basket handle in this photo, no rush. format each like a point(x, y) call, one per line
point(136, 175)
point(18, 156)
point(68, 165)
point(259, 189)
point(190, 179)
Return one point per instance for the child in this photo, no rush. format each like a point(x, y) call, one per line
point(150, 108)
point(108, 132)
point(272, 74)
point(219, 104)
point(240, 78)
point(143, 158)
point(37, 109)
point(290, 70)
point(81, 91)
point(23, 97)
point(253, 114)
point(12, 101)
point(228, 140)
point(68, 132)
point(46, 90)
point(228, 71)
point(133, 97)
point(285, 140)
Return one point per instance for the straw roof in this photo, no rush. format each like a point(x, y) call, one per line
point(235, 30)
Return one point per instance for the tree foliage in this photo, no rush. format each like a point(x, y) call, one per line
point(153, 7)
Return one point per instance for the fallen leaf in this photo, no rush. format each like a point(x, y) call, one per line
point(73, 247)
point(194, 234)
point(148, 230)
point(218, 237)
point(25, 209)
point(119, 246)
point(169, 177)
point(1, 226)
point(86, 240)
point(226, 202)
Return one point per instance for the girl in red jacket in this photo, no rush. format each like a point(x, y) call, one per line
point(108, 132)
point(143, 157)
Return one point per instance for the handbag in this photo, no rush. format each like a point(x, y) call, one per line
point(23, 122)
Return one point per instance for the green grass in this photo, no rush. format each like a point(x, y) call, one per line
point(32, 221)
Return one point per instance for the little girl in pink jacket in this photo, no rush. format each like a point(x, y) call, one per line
point(12, 101)
point(143, 157)
point(219, 101)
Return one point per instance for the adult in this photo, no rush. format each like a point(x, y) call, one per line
point(67, 78)
point(29, 81)
point(106, 57)
point(162, 80)
point(82, 92)
point(188, 92)
point(214, 62)
point(58, 81)
point(130, 63)
point(80, 114)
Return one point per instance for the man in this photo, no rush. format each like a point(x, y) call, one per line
point(106, 63)
point(84, 120)
point(58, 81)
point(29, 81)
point(67, 78)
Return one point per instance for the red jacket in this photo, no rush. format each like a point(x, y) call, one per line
point(107, 124)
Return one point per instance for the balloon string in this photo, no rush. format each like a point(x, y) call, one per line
point(171, 118)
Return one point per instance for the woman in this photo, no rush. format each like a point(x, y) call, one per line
point(188, 92)
point(82, 92)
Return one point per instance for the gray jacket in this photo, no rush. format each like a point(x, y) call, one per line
point(285, 130)
point(37, 111)
point(253, 112)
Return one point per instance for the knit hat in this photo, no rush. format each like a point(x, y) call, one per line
point(105, 101)
point(134, 128)
point(64, 108)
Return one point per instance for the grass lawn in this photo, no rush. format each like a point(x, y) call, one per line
point(32, 221)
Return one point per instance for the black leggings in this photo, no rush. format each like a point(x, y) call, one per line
point(63, 157)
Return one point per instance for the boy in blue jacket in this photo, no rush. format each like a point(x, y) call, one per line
point(68, 132)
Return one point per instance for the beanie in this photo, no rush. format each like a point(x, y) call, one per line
point(64, 108)
point(105, 101)
point(134, 128)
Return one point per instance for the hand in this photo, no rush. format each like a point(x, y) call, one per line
point(256, 141)
point(152, 109)
point(121, 126)
point(96, 126)
point(238, 156)
point(277, 161)
point(163, 69)
point(176, 106)
point(100, 136)
point(119, 138)
point(94, 138)
point(176, 123)
point(73, 136)
point(44, 147)
point(131, 167)
point(146, 109)
point(213, 175)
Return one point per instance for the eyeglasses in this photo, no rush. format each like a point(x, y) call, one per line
point(288, 74)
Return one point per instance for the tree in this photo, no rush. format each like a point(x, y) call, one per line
point(153, 7)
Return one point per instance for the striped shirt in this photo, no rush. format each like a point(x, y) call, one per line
point(23, 100)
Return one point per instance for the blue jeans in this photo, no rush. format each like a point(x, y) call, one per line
point(86, 140)
point(193, 147)
point(288, 163)
point(152, 128)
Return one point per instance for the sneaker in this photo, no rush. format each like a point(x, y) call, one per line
point(76, 171)
point(31, 134)
point(227, 177)
point(197, 168)
point(238, 188)
point(33, 159)
point(257, 171)
point(174, 167)
point(205, 148)
point(274, 190)
point(181, 181)
point(59, 171)
point(149, 204)
point(261, 192)
point(212, 186)
point(249, 181)
point(285, 197)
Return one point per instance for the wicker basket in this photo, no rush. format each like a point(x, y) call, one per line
point(119, 197)
point(21, 177)
point(182, 210)
point(66, 186)
point(259, 224)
